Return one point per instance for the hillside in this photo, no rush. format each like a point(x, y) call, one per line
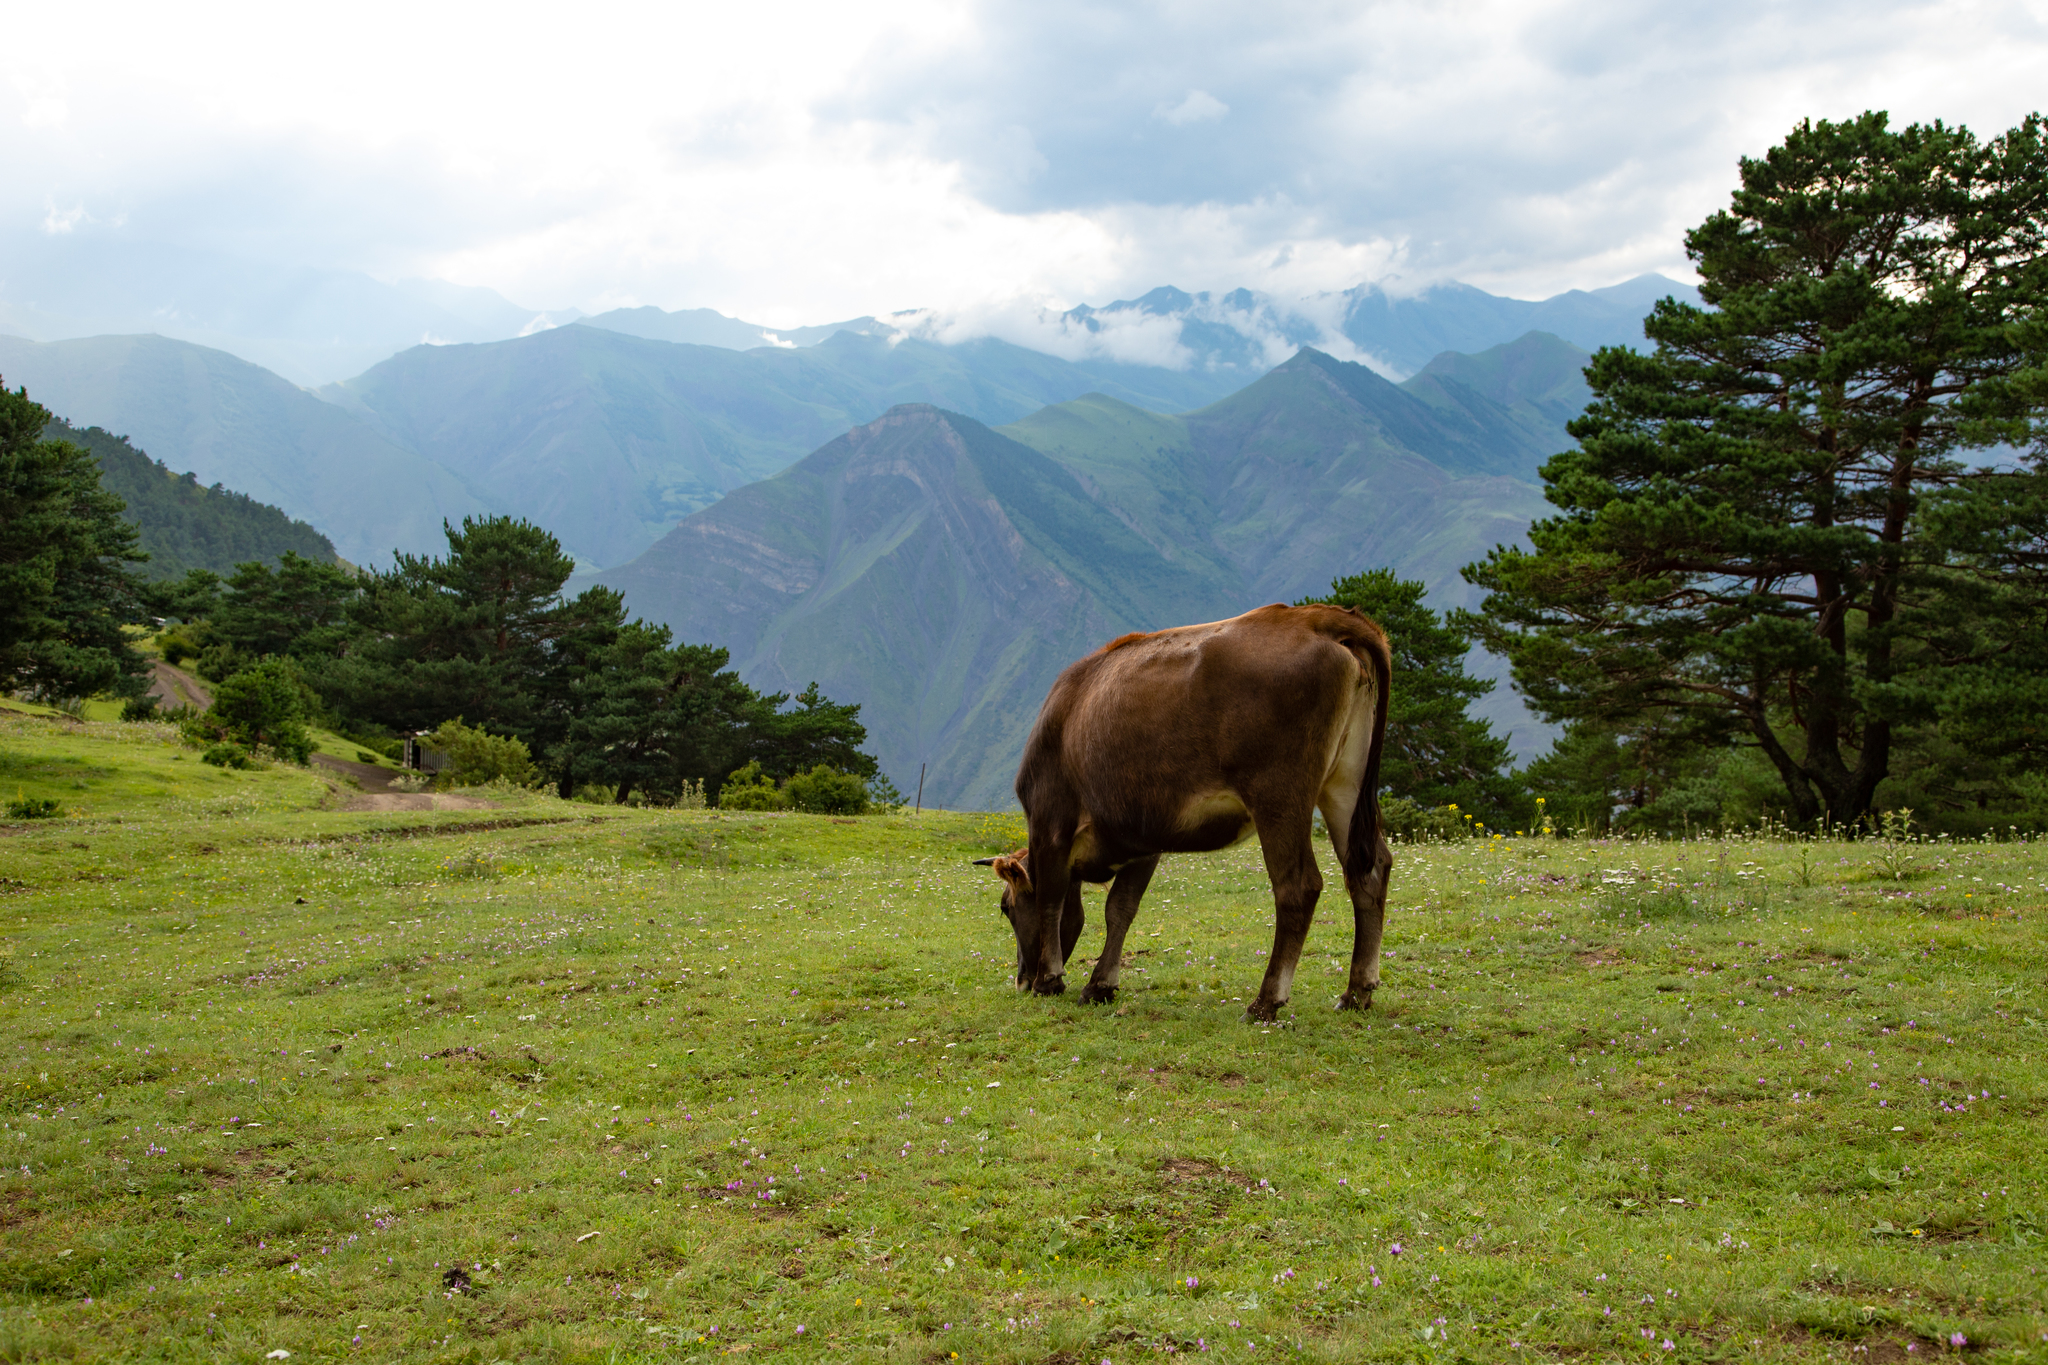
point(941, 573)
point(237, 424)
point(609, 439)
point(183, 524)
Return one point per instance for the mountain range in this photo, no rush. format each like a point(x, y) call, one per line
point(610, 436)
point(941, 571)
point(925, 523)
point(609, 439)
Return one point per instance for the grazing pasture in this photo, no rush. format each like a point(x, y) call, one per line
point(556, 1081)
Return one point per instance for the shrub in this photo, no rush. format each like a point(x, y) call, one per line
point(32, 807)
point(221, 662)
point(475, 756)
point(749, 788)
point(827, 791)
point(176, 647)
point(1409, 820)
point(226, 754)
point(140, 708)
point(265, 706)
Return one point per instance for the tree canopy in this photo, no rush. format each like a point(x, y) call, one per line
point(485, 634)
point(65, 586)
point(1765, 534)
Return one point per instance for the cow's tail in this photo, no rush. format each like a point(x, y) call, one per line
point(1363, 847)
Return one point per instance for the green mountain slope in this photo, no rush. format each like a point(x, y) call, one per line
point(1537, 382)
point(183, 523)
point(238, 424)
point(609, 439)
point(924, 563)
point(941, 573)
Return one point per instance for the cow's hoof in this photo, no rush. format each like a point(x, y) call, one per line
point(1049, 985)
point(1355, 1000)
point(1262, 1012)
point(1092, 994)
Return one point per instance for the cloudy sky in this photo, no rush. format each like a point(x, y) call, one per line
point(801, 161)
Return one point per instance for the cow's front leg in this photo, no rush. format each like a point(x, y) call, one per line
point(1369, 916)
point(1121, 908)
point(1289, 848)
point(1056, 887)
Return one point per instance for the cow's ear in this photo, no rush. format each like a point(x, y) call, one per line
point(1010, 867)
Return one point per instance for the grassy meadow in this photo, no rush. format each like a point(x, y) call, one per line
point(558, 1081)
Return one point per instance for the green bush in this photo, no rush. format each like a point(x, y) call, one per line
point(176, 647)
point(221, 662)
point(261, 706)
point(827, 791)
point(475, 756)
point(143, 707)
point(32, 807)
point(1407, 819)
point(226, 754)
point(751, 789)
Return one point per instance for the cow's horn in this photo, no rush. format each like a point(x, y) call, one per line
point(984, 862)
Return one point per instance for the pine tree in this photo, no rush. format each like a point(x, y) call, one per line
point(1743, 540)
point(65, 588)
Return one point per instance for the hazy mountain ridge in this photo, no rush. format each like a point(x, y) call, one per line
point(609, 439)
point(237, 424)
point(941, 573)
point(310, 326)
point(1244, 332)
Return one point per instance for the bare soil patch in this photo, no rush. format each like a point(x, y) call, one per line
point(173, 687)
point(417, 801)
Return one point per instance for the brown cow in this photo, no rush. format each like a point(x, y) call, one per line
point(1186, 741)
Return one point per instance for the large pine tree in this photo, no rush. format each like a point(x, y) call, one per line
point(1743, 543)
point(65, 586)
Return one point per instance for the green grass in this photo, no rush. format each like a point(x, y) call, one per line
point(272, 1071)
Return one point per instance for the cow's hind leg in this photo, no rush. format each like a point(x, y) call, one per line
point(1122, 907)
point(1366, 883)
point(1288, 843)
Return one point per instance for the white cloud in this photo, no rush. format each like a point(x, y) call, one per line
point(796, 163)
point(1199, 107)
point(58, 221)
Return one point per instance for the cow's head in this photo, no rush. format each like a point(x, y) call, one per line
point(1017, 905)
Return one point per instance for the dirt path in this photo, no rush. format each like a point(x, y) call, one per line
point(377, 793)
point(368, 776)
point(417, 801)
point(174, 687)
